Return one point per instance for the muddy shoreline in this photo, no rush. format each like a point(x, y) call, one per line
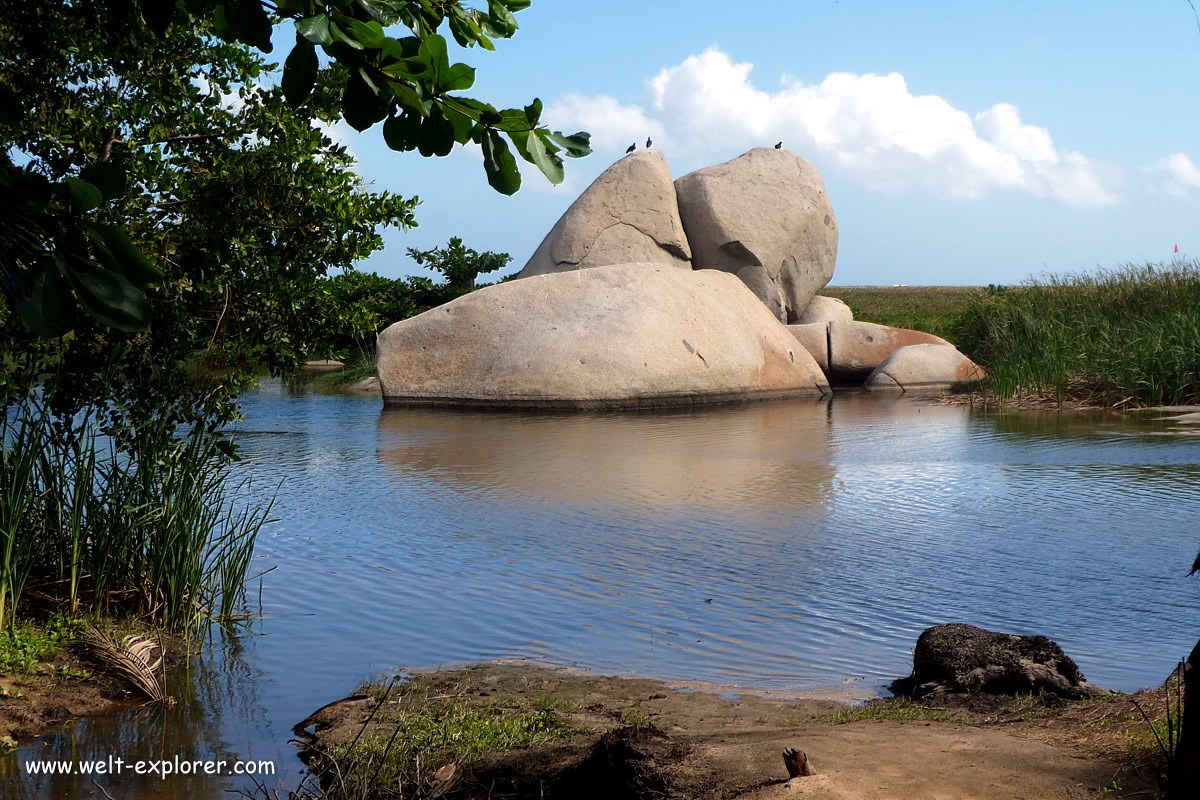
point(638, 738)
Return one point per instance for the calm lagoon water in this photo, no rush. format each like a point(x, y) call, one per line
point(795, 546)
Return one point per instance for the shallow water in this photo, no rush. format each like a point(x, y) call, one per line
point(794, 546)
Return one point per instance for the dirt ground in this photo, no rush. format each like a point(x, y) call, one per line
point(73, 685)
point(664, 742)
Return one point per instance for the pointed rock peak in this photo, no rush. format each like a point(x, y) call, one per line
point(629, 214)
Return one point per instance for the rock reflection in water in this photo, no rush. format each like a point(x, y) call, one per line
point(773, 455)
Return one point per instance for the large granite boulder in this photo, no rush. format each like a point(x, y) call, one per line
point(923, 368)
point(825, 310)
point(857, 348)
point(964, 658)
point(627, 215)
point(765, 217)
point(629, 335)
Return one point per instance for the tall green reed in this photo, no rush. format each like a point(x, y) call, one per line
point(19, 496)
point(152, 526)
point(1124, 337)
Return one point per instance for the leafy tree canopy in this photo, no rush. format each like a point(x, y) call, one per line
point(159, 171)
point(459, 264)
point(61, 257)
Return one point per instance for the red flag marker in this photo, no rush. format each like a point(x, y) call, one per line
point(1176, 248)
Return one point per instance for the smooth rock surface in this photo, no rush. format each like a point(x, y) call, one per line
point(627, 215)
point(923, 368)
point(962, 658)
point(765, 217)
point(629, 335)
point(857, 348)
point(364, 386)
point(825, 310)
point(814, 337)
point(322, 366)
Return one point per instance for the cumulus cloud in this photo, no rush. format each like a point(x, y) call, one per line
point(1183, 176)
point(613, 126)
point(870, 126)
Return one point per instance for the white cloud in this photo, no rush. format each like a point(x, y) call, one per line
point(1183, 176)
point(871, 126)
point(613, 126)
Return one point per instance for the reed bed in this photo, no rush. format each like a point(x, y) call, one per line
point(152, 527)
point(1126, 337)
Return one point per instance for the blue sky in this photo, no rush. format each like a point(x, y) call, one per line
point(959, 144)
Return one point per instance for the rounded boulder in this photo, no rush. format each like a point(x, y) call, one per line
point(765, 217)
point(628, 214)
point(622, 336)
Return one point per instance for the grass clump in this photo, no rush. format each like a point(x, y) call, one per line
point(451, 734)
point(26, 649)
point(424, 743)
point(896, 709)
point(144, 526)
point(1127, 337)
point(933, 309)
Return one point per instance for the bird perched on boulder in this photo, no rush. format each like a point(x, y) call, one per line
point(779, 145)
point(648, 142)
point(631, 148)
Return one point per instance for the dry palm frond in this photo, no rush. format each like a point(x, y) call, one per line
point(443, 780)
point(132, 658)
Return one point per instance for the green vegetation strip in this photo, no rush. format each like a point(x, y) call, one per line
point(897, 709)
point(933, 309)
point(26, 649)
point(1129, 337)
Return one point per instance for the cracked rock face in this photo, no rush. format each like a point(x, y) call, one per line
point(627, 215)
point(765, 217)
point(629, 335)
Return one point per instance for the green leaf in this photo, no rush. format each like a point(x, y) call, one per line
point(107, 296)
point(577, 145)
point(107, 176)
point(499, 164)
point(84, 196)
point(386, 12)
point(129, 260)
point(433, 54)
point(500, 20)
point(463, 124)
point(51, 310)
point(361, 107)
point(249, 23)
point(437, 134)
point(10, 106)
point(315, 29)
point(300, 72)
point(459, 78)
point(368, 34)
point(533, 149)
point(158, 14)
point(344, 37)
point(512, 120)
point(401, 132)
point(533, 112)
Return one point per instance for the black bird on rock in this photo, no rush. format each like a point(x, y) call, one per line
point(631, 148)
point(779, 145)
point(648, 142)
